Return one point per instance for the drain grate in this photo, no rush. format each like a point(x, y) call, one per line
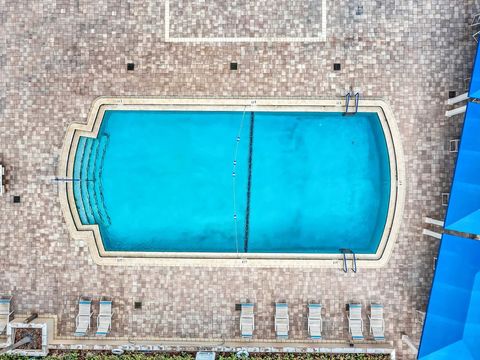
point(137, 305)
point(233, 66)
point(445, 197)
point(130, 66)
point(16, 199)
point(452, 94)
point(337, 67)
point(454, 145)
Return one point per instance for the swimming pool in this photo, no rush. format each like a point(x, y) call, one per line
point(258, 181)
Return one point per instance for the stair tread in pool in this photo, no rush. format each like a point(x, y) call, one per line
point(92, 196)
point(103, 214)
point(84, 181)
point(87, 182)
point(77, 182)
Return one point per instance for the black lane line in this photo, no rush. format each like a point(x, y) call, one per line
point(249, 182)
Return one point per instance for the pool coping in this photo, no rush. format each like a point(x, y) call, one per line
point(90, 234)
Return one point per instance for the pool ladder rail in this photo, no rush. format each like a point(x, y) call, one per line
point(348, 97)
point(354, 260)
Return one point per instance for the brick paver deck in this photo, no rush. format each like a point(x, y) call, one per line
point(57, 56)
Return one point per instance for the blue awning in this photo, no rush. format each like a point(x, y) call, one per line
point(474, 90)
point(463, 212)
point(452, 323)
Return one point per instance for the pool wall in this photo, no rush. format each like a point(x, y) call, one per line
point(90, 234)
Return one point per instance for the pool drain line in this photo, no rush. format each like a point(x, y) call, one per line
point(249, 182)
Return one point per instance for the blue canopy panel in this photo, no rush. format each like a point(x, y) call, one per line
point(463, 212)
point(452, 323)
point(474, 90)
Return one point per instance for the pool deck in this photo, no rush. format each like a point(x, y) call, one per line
point(56, 57)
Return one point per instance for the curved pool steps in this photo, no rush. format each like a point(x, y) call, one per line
point(83, 182)
point(88, 189)
point(92, 197)
point(102, 211)
point(77, 183)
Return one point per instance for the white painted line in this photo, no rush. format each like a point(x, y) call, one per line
point(320, 38)
point(324, 20)
point(242, 39)
point(167, 20)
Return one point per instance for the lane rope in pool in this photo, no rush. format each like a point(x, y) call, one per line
point(234, 169)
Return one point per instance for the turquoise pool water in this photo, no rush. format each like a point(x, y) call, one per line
point(262, 182)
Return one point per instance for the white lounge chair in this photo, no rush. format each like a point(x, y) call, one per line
point(377, 323)
point(104, 318)
point(315, 321)
point(247, 321)
point(82, 321)
point(281, 320)
point(5, 312)
point(355, 322)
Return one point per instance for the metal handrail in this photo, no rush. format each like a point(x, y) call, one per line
point(354, 263)
point(347, 101)
point(354, 260)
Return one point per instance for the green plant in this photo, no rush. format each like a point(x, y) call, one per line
point(79, 355)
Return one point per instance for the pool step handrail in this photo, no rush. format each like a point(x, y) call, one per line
point(354, 263)
point(345, 266)
point(354, 260)
point(347, 101)
point(357, 99)
point(348, 97)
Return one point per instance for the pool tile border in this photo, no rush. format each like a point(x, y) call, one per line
point(90, 234)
